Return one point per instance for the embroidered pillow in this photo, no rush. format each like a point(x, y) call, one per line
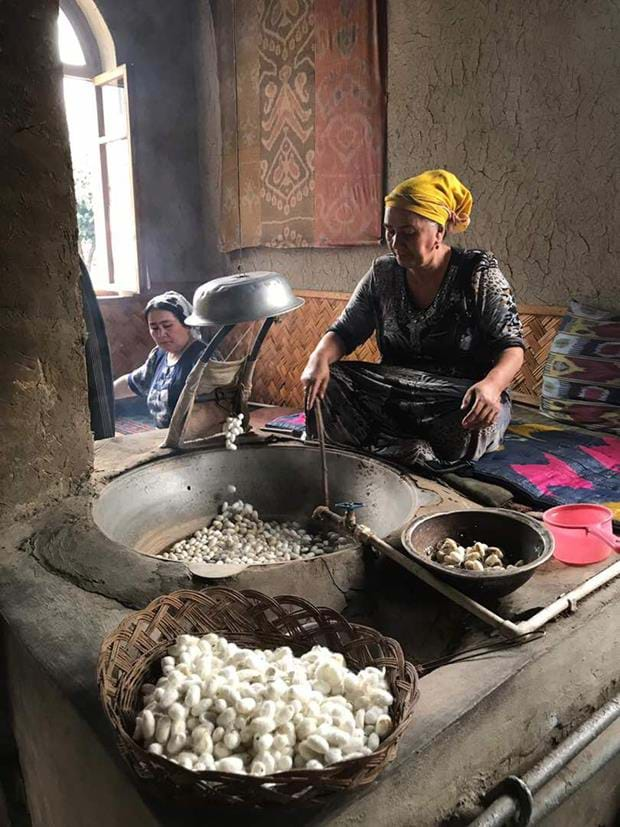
point(581, 380)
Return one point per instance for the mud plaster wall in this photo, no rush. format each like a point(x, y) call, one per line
point(520, 100)
point(46, 446)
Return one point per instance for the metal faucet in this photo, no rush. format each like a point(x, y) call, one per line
point(349, 508)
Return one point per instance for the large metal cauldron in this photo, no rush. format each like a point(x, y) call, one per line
point(157, 504)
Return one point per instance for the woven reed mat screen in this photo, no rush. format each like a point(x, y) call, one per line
point(303, 137)
point(540, 324)
point(290, 342)
point(128, 334)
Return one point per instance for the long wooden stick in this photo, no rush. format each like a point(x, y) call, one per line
point(321, 432)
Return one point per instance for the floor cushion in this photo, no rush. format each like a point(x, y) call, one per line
point(555, 463)
point(581, 379)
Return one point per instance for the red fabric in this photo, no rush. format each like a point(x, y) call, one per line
point(349, 124)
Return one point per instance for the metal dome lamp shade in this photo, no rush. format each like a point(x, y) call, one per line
point(245, 297)
point(225, 302)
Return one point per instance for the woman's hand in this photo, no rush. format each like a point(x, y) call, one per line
point(315, 378)
point(484, 402)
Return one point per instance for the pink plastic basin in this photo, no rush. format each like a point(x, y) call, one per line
point(583, 533)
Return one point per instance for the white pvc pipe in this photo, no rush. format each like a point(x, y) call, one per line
point(568, 600)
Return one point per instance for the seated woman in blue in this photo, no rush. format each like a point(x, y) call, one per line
point(161, 378)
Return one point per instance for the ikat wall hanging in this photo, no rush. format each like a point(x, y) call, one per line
point(302, 118)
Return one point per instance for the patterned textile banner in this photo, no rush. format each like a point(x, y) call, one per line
point(303, 142)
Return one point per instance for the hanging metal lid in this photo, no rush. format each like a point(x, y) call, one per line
point(244, 297)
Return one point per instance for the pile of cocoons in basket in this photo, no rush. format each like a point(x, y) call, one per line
point(238, 535)
point(222, 708)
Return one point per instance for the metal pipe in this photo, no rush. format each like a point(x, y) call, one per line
point(604, 749)
point(505, 807)
point(506, 627)
point(571, 746)
point(365, 535)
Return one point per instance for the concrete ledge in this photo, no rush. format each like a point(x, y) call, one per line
point(63, 588)
point(475, 721)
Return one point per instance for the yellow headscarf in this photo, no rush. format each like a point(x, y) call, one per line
point(435, 194)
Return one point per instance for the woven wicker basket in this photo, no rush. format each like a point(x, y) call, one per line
point(130, 656)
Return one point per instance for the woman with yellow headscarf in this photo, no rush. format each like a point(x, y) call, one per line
point(448, 332)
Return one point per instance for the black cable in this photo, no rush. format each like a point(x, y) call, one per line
point(475, 652)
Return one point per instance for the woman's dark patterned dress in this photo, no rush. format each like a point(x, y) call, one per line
point(407, 408)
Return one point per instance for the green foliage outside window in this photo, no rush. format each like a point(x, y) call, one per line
point(85, 218)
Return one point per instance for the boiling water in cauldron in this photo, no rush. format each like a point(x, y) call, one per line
point(238, 535)
point(156, 504)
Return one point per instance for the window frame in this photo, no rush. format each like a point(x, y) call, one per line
point(86, 38)
point(94, 71)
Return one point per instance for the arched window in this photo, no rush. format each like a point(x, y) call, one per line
point(98, 122)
